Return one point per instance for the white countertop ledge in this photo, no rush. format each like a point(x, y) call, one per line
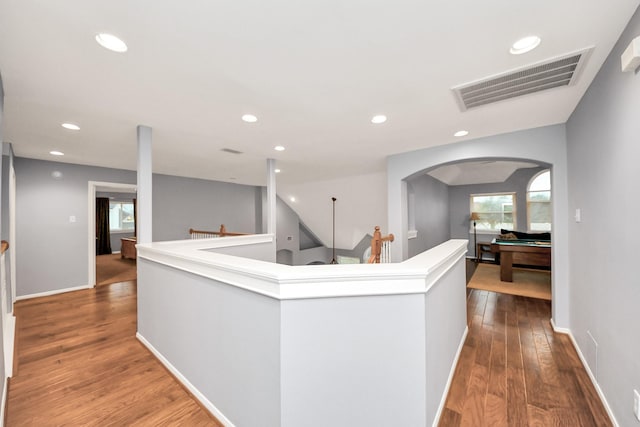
point(415, 275)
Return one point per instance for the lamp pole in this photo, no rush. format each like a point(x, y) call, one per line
point(333, 260)
point(474, 218)
point(475, 239)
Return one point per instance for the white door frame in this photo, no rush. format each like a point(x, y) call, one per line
point(95, 186)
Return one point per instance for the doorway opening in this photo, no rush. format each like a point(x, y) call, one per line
point(115, 264)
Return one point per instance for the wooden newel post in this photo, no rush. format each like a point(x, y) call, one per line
point(376, 244)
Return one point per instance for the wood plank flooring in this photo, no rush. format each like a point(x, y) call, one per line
point(514, 370)
point(79, 363)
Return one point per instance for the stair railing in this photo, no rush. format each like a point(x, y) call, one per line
point(204, 234)
point(380, 247)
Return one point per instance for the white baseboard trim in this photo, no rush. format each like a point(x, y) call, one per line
point(9, 344)
point(5, 389)
point(445, 393)
point(185, 382)
point(558, 329)
point(588, 369)
point(54, 292)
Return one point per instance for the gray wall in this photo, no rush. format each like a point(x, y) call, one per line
point(603, 152)
point(52, 251)
point(7, 167)
point(430, 213)
point(459, 204)
point(2, 235)
point(365, 342)
point(183, 203)
point(211, 332)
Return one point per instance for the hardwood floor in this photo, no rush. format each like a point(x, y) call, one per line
point(79, 363)
point(515, 371)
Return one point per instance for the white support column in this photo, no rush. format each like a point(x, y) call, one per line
point(145, 182)
point(271, 196)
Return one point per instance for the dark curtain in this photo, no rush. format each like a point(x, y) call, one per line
point(135, 219)
point(103, 237)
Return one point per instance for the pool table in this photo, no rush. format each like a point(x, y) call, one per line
point(521, 251)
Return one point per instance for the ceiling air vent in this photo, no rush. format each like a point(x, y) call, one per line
point(231, 150)
point(562, 71)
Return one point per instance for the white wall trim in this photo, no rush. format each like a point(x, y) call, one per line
point(185, 382)
point(558, 329)
point(9, 343)
point(53, 292)
point(284, 282)
point(5, 389)
point(454, 365)
point(588, 369)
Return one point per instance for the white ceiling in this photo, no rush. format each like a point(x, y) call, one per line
point(480, 172)
point(314, 72)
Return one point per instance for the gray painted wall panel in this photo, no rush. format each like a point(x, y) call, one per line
point(378, 342)
point(2, 235)
point(431, 213)
point(603, 154)
point(52, 251)
point(234, 326)
point(183, 203)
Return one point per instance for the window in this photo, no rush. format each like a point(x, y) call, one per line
point(121, 216)
point(539, 202)
point(495, 211)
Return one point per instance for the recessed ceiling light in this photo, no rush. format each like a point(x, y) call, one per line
point(278, 148)
point(277, 171)
point(249, 118)
point(379, 119)
point(524, 45)
point(461, 133)
point(70, 126)
point(293, 199)
point(56, 153)
point(111, 42)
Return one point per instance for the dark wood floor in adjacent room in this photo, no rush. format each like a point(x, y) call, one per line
point(515, 371)
point(79, 363)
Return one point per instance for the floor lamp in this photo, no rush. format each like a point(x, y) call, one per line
point(333, 260)
point(474, 217)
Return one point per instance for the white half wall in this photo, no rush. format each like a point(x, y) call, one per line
point(267, 344)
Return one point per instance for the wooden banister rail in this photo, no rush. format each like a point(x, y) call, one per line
point(204, 234)
point(377, 243)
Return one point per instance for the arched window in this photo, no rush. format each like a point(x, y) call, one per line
point(539, 214)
